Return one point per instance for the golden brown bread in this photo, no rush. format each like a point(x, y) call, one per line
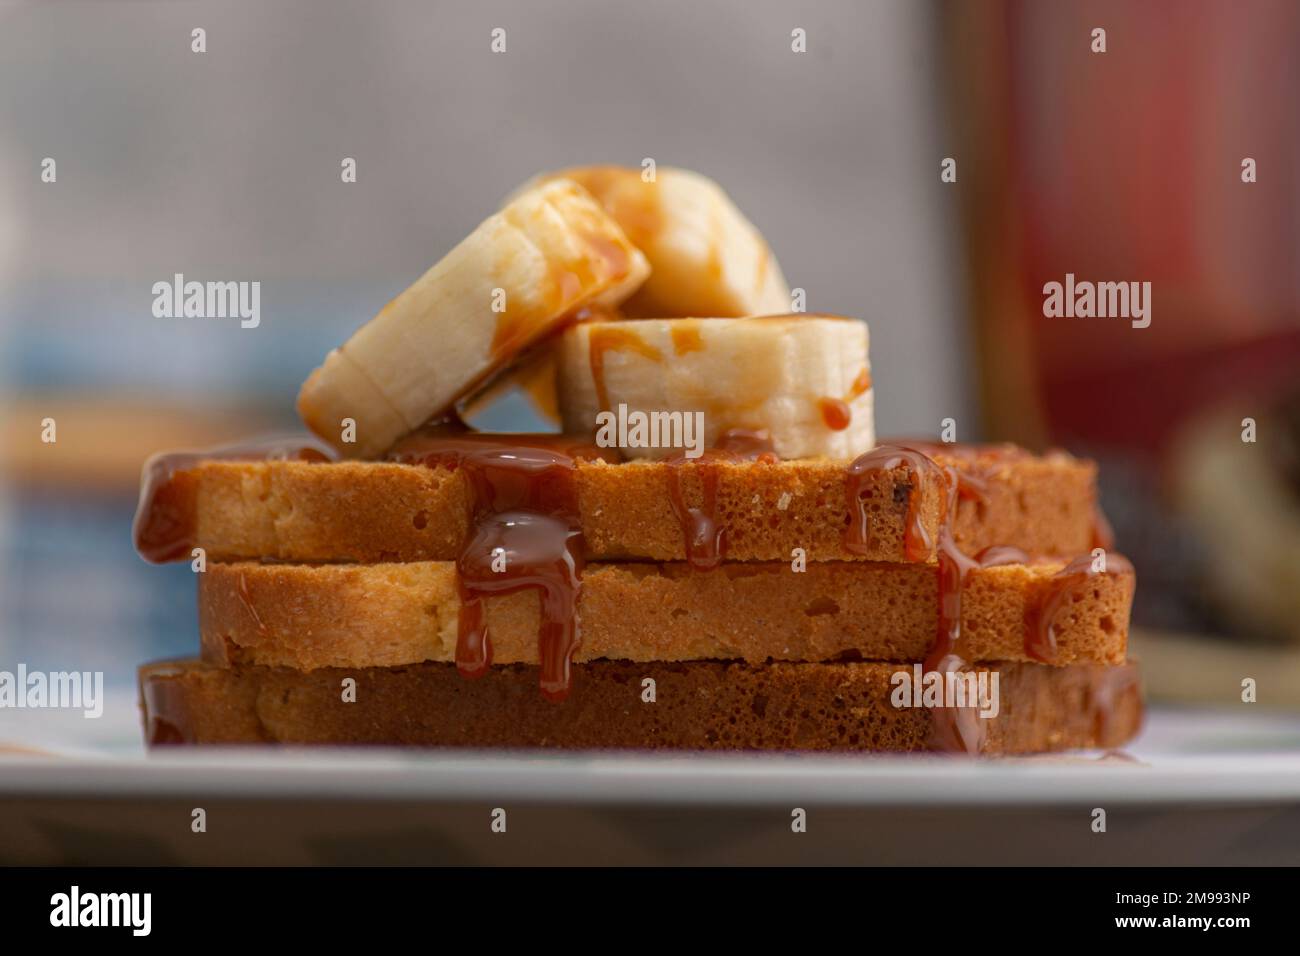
point(379, 511)
point(706, 706)
point(310, 616)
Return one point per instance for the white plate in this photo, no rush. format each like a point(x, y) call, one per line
point(1196, 787)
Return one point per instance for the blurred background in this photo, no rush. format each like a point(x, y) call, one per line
point(1122, 165)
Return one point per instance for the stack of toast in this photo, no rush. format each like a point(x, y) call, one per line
point(713, 552)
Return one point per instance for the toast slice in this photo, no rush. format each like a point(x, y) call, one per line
point(337, 615)
point(384, 511)
point(696, 706)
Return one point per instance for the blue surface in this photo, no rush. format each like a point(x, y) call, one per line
point(77, 597)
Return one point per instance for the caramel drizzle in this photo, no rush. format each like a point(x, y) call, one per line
point(1040, 635)
point(633, 202)
point(163, 528)
point(705, 537)
point(918, 545)
point(953, 729)
point(523, 510)
point(169, 720)
point(1113, 685)
point(607, 338)
point(969, 482)
point(687, 337)
point(837, 413)
point(596, 264)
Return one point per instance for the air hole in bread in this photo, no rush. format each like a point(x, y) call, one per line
point(821, 605)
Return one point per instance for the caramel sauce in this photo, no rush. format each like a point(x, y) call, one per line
point(163, 527)
point(614, 257)
point(524, 502)
point(1112, 684)
point(704, 536)
point(1040, 634)
point(517, 326)
point(608, 338)
point(978, 462)
point(956, 729)
point(687, 337)
point(955, 567)
point(1000, 554)
point(639, 216)
point(169, 720)
point(917, 542)
point(836, 414)
point(633, 202)
point(598, 262)
point(532, 371)
point(525, 533)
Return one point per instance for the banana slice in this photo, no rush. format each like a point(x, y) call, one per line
point(550, 252)
point(805, 379)
point(706, 257)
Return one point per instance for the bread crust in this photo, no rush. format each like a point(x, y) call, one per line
point(312, 616)
point(380, 511)
point(697, 706)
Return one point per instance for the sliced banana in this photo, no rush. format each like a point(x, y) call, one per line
point(521, 274)
point(706, 257)
point(805, 379)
